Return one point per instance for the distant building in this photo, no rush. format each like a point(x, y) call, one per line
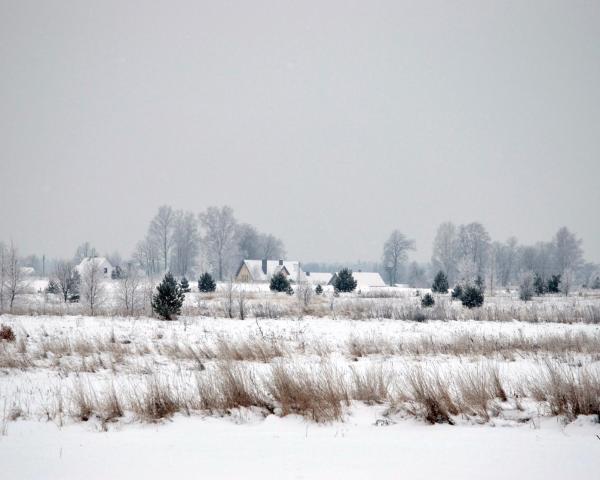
point(364, 279)
point(318, 278)
point(105, 266)
point(262, 270)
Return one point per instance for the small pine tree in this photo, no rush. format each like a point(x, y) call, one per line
point(427, 300)
point(206, 283)
point(472, 297)
point(539, 286)
point(440, 283)
point(53, 287)
point(117, 273)
point(553, 285)
point(185, 285)
point(457, 292)
point(280, 283)
point(480, 283)
point(169, 298)
point(73, 287)
point(344, 281)
point(319, 289)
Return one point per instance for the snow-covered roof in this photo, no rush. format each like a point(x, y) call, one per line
point(101, 262)
point(255, 267)
point(317, 278)
point(367, 279)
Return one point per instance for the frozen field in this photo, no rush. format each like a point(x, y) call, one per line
point(115, 397)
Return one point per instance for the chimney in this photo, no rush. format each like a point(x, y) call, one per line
point(280, 262)
point(264, 266)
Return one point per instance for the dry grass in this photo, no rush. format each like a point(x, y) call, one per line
point(318, 394)
point(568, 391)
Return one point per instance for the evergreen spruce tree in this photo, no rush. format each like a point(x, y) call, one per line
point(480, 283)
point(280, 283)
point(553, 285)
point(206, 283)
point(185, 285)
point(73, 287)
point(168, 300)
point(538, 284)
point(440, 283)
point(457, 292)
point(319, 289)
point(344, 281)
point(427, 300)
point(472, 297)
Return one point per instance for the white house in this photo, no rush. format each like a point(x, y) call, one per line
point(262, 270)
point(105, 266)
point(318, 278)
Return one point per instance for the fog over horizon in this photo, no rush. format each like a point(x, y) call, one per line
point(327, 124)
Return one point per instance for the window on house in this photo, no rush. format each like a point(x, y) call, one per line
point(105, 270)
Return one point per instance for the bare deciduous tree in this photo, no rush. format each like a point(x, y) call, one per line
point(186, 241)
point(272, 248)
point(147, 257)
point(13, 277)
point(567, 251)
point(67, 278)
point(474, 245)
point(444, 255)
point(395, 252)
point(160, 233)
point(92, 286)
point(129, 289)
point(85, 250)
point(3, 268)
point(219, 227)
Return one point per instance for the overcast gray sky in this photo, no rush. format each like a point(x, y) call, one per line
point(327, 123)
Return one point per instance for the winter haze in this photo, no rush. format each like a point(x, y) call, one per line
point(311, 119)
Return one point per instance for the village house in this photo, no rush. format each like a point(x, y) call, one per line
point(364, 279)
point(251, 271)
point(105, 266)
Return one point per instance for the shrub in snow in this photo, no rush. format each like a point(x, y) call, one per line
point(472, 297)
point(457, 292)
point(6, 333)
point(427, 300)
point(553, 285)
point(169, 298)
point(538, 284)
point(206, 283)
point(526, 287)
point(117, 273)
point(319, 289)
point(596, 284)
point(53, 287)
point(344, 281)
point(280, 283)
point(185, 285)
point(440, 283)
point(290, 291)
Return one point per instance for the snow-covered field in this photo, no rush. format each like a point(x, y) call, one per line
point(117, 397)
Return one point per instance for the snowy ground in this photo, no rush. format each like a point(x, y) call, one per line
point(291, 448)
point(56, 382)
